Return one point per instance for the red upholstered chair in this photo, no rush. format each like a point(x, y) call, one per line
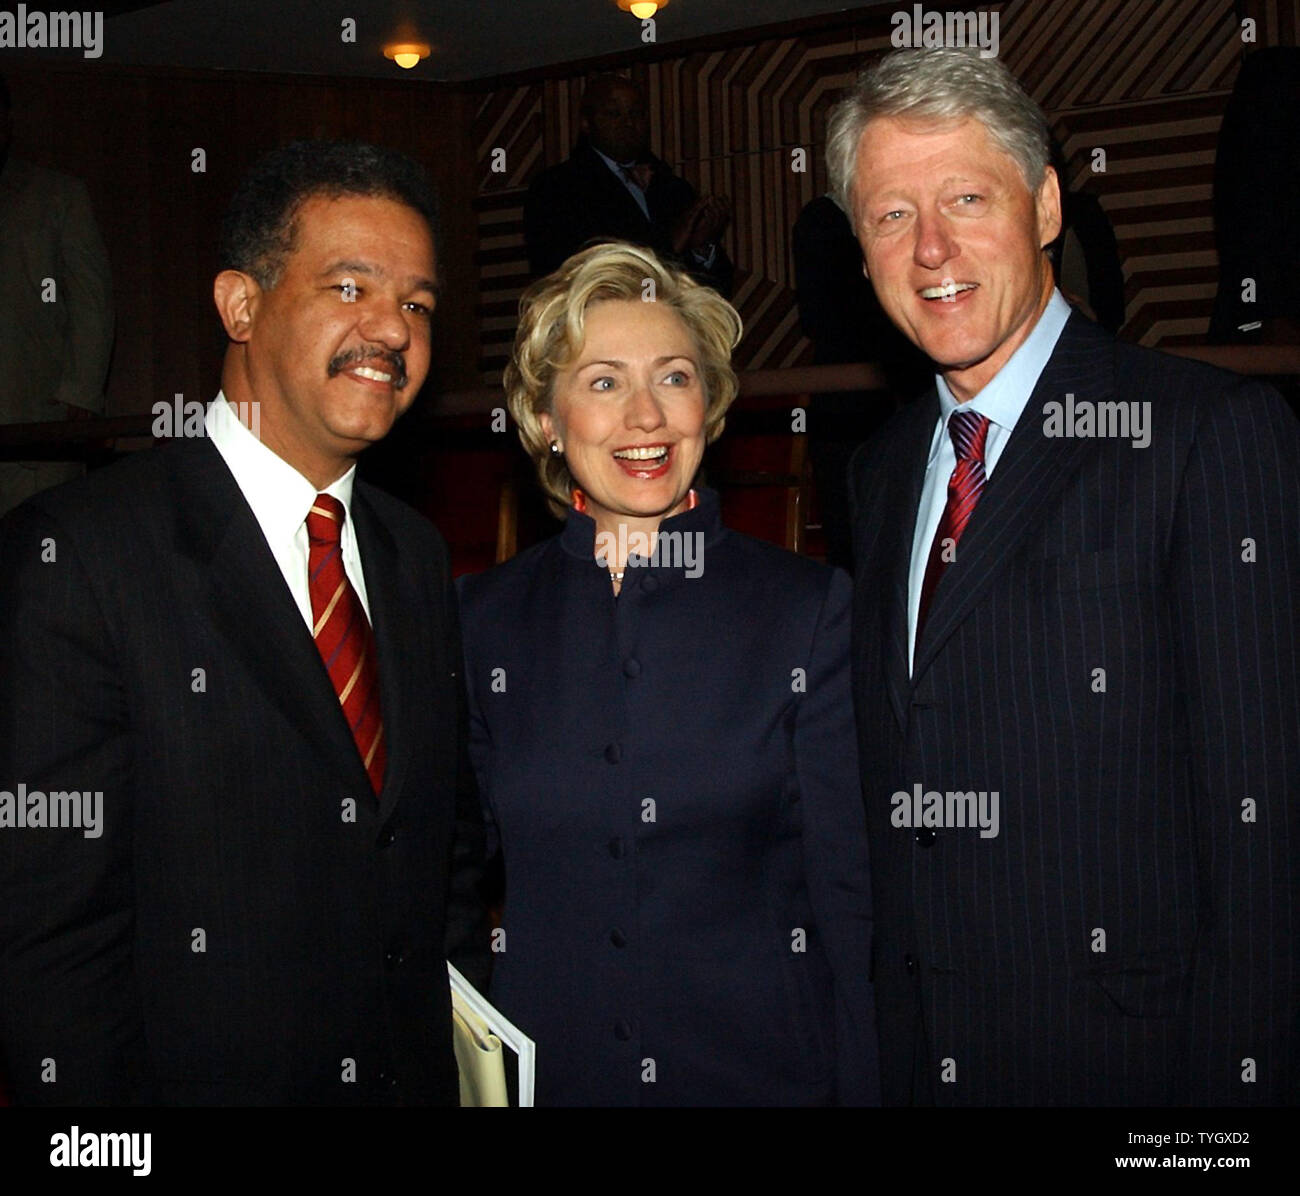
point(765, 482)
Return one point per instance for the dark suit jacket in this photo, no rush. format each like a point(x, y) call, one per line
point(1256, 180)
point(1161, 812)
point(225, 799)
point(681, 822)
point(582, 200)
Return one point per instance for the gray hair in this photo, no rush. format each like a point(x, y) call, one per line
point(939, 85)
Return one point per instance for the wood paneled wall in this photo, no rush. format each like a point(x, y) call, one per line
point(1146, 80)
point(130, 136)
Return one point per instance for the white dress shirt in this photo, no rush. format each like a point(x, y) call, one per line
point(1002, 400)
point(280, 498)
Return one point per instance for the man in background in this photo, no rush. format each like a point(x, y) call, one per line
point(613, 188)
point(840, 314)
point(56, 311)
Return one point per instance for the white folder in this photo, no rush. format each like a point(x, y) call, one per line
point(465, 994)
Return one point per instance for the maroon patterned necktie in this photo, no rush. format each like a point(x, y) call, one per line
point(640, 173)
point(969, 430)
point(343, 635)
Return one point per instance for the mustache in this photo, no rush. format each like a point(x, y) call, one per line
point(394, 361)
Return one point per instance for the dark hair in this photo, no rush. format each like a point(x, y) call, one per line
point(258, 230)
point(598, 85)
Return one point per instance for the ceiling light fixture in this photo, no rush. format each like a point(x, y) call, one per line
point(407, 54)
point(644, 9)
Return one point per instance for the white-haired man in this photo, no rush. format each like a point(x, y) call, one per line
point(1075, 650)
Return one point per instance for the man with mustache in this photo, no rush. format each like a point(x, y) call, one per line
point(254, 658)
point(1087, 624)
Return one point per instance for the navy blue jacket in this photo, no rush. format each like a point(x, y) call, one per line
point(672, 777)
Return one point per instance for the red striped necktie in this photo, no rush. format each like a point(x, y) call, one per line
point(343, 635)
point(969, 430)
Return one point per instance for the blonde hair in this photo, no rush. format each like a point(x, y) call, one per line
point(551, 332)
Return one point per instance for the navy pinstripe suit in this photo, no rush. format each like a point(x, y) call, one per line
point(223, 807)
point(1130, 934)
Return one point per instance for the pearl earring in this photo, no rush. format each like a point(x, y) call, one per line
point(556, 450)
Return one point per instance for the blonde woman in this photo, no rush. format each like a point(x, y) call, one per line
point(662, 732)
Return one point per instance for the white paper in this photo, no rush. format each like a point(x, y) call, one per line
point(510, 1034)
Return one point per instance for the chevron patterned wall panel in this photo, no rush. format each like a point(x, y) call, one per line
point(1144, 80)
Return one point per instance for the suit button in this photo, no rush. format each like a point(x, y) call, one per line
point(617, 848)
point(387, 1079)
point(631, 667)
point(614, 753)
point(394, 958)
point(909, 965)
point(925, 836)
point(622, 1030)
point(618, 938)
point(386, 839)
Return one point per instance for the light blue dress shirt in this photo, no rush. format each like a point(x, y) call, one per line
point(1003, 401)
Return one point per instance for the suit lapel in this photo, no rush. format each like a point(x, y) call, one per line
point(252, 608)
point(890, 540)
point(606, 181)
point(1032, 470)
point(904, 499)
point(394, 608)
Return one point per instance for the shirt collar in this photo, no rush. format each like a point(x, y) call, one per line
point(617, 167)
point(278, 494)
point(579, 535)
point(1006, 394)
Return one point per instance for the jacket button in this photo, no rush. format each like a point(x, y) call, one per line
point(622, 1030)
point(613, 753)
point(631, 667)
point(909, 965)
point(925, 836)
point(386, 839)
point(618, 938)
point(617, 848)
point(394, 958)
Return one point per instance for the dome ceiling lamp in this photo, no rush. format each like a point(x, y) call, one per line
point(406, 54)
point(642, 9)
